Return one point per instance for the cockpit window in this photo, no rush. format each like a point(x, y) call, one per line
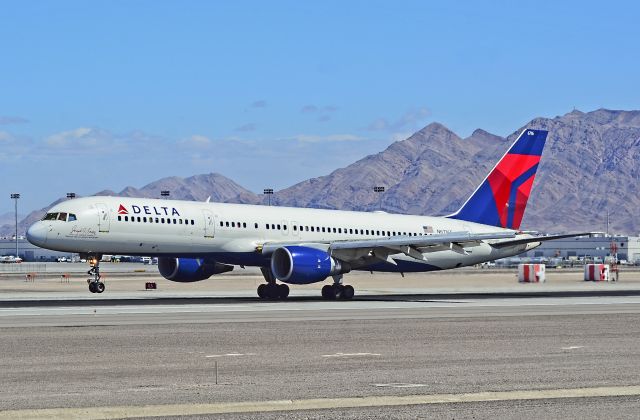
point(63, 217)
point(50, 216)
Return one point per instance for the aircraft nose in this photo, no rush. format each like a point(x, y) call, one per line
point(37, 234)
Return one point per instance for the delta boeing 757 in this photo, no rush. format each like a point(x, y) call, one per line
point(196, 240)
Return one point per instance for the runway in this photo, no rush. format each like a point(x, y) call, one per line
point(557, 354)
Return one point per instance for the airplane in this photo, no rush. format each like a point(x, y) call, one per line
point(196, 240)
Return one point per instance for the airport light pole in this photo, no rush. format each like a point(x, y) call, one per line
point(164, 193)
point(16, 196)
point(379, 190)
point(268, 192)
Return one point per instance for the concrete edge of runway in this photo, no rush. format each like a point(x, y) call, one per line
point(91, 300)
point(284, 406)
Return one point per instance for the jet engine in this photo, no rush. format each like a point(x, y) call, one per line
point(304, 265)
point(187, 270)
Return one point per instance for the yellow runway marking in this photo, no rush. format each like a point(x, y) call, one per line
point(96, 413)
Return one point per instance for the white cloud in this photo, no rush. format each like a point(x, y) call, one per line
point(70, 137)
point(5, 120)
point(408, 120)
point(247, 127)
point(305, 138)
point(259, 104)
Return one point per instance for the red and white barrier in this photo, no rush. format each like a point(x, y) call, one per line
point(596, 272)
point(531, 273)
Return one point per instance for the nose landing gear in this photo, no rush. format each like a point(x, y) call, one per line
point(95, 285)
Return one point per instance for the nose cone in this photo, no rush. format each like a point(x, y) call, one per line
point(37, 234)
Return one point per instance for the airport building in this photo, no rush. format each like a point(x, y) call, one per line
point(587, 248)
point(29, 252)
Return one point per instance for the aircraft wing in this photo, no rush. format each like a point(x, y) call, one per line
point(367, 251)
point(504, 244)
point(364, 252)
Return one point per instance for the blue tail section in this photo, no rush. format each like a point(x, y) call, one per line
point(502, 197)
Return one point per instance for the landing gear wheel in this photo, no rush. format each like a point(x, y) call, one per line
point(329, 292)
point(283, 291)
point(347, 292)
point(272, 291)
point(262, 291)
point(92, 287)
point(99, 287)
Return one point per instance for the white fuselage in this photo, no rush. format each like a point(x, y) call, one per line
point(236, 233)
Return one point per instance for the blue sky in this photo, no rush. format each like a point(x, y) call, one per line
point(97, 95)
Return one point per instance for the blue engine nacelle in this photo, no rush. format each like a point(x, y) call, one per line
point(304, 265)
point(187, 270)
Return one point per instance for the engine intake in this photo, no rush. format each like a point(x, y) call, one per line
point(304, 265)
point(187, 270)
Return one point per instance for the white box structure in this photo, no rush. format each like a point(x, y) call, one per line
point(596, 272)
point(531, 273)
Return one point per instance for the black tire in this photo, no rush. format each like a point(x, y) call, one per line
point(99, 287)
point(92, 287)
point(283, 291)
point(328, 292)
point(262, 291)
point(273, 292)
point(347, 292)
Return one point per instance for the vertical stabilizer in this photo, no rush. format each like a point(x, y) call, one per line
point(502, 197)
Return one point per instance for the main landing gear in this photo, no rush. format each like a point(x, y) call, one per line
point(272, 290)
point(95, 285)
point(337, 290)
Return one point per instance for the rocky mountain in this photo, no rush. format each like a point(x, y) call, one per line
point(590, 166)
point(9, 218)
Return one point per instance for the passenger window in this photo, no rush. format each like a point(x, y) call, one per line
point(284, 227)
point(295, 228)
point(339, 230)
point(226, 224)
point(267, 225)
point(278, 227)
point(244, 224)
point(334, 230)
point(221, 224)
point(175, 222)
point(312, 229)
point(157, 220)
point(238, 224)
point(144, 219)
point(233, 224)
point(256, 225)
point(306, 228)
point(126, 218)
point(119, 218)
point(193, 222)
point(273, 226)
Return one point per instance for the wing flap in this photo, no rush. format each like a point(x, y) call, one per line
point(504, 244)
